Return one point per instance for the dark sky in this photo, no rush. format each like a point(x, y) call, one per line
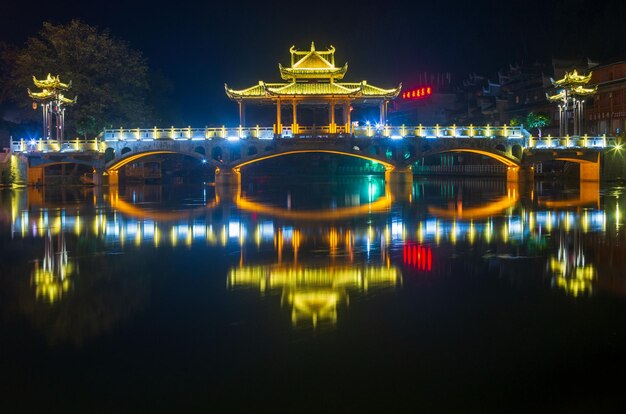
point(199, 47)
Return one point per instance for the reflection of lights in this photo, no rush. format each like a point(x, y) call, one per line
point(313, 294)
point(223, 236)
point(173, 237)
point(233, 229)
point(51, 277)
point(570, 271)
point(333, 239)
point(453, 233)
point(397, 229)
point(138, 237)
point(417, 256)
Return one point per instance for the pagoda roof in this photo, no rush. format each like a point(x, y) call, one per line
point(312, 73)
point(313, 89)
point(41, 96)
point(312, 64)
point(51, 82)
point(573, 78)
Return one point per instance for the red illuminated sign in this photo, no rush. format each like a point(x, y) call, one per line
point(418, 256)
point(418, 93)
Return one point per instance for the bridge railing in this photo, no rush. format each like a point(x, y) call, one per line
point(100, 143)
point(386, 131)
point(184, 134)
point(53, 145)
point(584, 141)
point(439, 131)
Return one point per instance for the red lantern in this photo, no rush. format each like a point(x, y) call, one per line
point(34, 105)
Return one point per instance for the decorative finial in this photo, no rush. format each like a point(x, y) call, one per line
point(312, 46)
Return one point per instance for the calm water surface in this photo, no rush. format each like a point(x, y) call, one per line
point(332, 295)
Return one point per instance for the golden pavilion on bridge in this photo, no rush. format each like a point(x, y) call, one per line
point(312, 80)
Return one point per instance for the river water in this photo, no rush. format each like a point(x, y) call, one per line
point(314, 294)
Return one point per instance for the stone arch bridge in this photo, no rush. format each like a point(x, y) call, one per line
point(396, 149)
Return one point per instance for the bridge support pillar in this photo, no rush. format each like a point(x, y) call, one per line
point(227, 177)
point(113, 178)
point(399, 175)
point(35, 176)
point(522, 173)
point(590, 171)
point(98, 177)
point(399, 182)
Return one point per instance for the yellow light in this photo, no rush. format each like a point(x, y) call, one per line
point(313, 293)
point(173, 238)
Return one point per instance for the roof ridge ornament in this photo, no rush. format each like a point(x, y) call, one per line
point(312, 46)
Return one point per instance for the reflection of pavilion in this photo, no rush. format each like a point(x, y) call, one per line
point(51, 276)
point(313, 293)
point(570, 270)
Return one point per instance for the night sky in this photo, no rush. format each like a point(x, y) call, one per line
point(199, 47)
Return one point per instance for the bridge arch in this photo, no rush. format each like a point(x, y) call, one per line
point(388, 165)
point(500, 156)
point(109, 154)
point(129, 157)
point(216, 153)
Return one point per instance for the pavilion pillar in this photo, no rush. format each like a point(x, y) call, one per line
point(386, 111)
point(349, 121)
point(381, 118)
point(242, 113)
point(332, 126)
point(279, 126)
point(294, 126)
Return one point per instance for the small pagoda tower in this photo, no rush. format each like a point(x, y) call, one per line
point(53, 104)
point(571, 98)
point(313, 79)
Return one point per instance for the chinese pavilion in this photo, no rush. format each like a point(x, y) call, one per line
point(53, 104)
point(570, 96)
point(312, 79)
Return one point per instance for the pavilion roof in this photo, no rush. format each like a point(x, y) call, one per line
point(312, 73)
point(573, 78)
point(51, 82)
point(313, 89)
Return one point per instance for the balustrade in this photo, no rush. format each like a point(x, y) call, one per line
point(364, 131)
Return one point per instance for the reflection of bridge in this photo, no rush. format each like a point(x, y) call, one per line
point(231, 149)
point(137, 225)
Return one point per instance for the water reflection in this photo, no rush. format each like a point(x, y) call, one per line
point(368, 234)
point(570, 269)
point(314, 293)
point(52, 275)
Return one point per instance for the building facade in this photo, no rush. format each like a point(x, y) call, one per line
point(606, 112)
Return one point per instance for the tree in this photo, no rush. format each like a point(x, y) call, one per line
point(109, 78)
point(516, 121)
point(537, 120)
